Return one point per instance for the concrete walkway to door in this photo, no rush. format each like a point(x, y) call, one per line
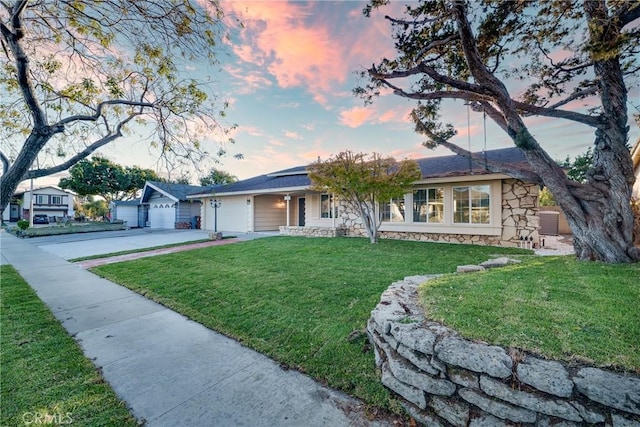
point(170, 370)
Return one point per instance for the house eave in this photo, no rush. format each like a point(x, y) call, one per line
point(250, 192)
point(462, 178)
point(144, 199)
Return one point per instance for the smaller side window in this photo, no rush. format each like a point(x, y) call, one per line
point(393, 211)
point(326, 201)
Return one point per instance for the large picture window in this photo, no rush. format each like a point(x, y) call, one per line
point(42, 199)
point(56, 200)
point(428, 205)
point(471, 204)
point(392, 211)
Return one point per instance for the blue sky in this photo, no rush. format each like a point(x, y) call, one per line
point(288, 76)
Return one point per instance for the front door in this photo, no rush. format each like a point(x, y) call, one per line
point(301, 211)
point(14, 212)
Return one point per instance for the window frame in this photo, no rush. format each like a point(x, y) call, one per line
point(474, 207)
point(428, 202)
point(401, 203)
point(330, 213)
point(494, 215)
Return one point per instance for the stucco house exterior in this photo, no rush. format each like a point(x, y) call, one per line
point(454, 201)
point(55, 203)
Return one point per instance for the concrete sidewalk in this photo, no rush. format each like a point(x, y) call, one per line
point(170, 370)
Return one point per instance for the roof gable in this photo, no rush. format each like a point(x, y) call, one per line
point(176, 192)
point(45, 190)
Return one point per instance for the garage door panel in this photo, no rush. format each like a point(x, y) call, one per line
point(162, 215)
point(232, 215)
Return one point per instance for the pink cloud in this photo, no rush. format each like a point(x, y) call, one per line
point(247, 81)
point(356, 117)
point(292, 135)
point(301, 47)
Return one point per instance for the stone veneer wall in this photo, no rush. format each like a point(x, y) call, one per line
point(519, 220)
point(446, 380)
point(312, 231)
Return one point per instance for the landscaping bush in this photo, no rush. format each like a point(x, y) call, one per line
point(23, 224)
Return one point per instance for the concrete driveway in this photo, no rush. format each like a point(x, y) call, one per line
point(78, 245)
point(70, 246)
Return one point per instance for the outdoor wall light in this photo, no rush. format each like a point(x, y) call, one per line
point(248, 202)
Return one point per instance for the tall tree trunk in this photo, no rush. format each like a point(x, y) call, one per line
point(17, 172)
point(605, 231)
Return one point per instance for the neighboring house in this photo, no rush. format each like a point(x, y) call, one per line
point(635, 156)
point(129, 211)
point(454, 202)
point(165, 205)
point(51, 201)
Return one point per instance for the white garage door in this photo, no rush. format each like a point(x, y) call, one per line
point(162, 215)
point(128, 214)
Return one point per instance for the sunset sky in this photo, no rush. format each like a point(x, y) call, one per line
point(288, 76)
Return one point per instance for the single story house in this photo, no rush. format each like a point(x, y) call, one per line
point(454, 201)
point(165, 205)
point(51, 201)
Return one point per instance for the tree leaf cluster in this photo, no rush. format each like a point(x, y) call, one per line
point(217, 177)
point(362, 181)
point(100, 176)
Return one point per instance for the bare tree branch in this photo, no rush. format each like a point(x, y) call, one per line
point(479, 159)
point(99, 109)
point(471, 92)
point(37, 173)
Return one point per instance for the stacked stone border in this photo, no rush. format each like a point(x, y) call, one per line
point(306, 231)
point(445, 379)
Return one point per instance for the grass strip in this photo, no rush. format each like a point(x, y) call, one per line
point(134, 251)
point(559, 307)
point(304, 302)
point(45, 378)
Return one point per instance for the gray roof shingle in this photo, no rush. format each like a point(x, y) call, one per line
point(431, 167)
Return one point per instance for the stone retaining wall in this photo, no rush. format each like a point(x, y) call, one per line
point(312, 231)
point(446, 380)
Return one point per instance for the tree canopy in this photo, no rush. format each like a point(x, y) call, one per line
point(78, 75)
point(101, 177)
point(363, 182)
point(565, 60)
point(217, 177)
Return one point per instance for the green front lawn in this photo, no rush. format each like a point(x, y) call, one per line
point(557, 306)
point(45, 378)
point(304, 302)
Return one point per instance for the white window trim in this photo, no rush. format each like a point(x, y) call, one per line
point(494, 228)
